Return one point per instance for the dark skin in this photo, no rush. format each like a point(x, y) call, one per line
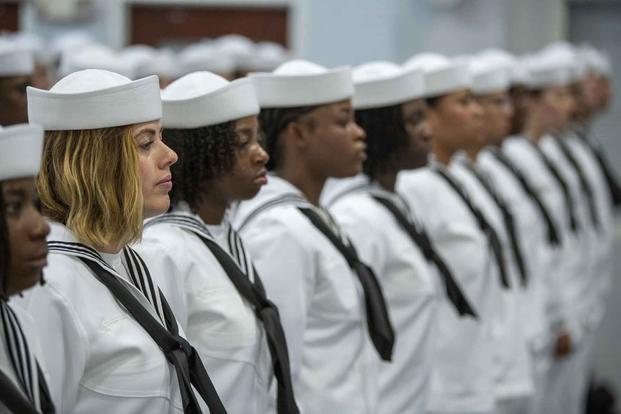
point(323, 143)
point(456, 122)
point(243, 182)
point(13, 99)
point(27, 234)
point(497, 114)
point(415, 155)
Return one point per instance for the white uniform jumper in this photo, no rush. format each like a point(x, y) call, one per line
point(219, 322)
point(567, 268)
point(462, 378)
point(409, 285)
point(19, 359)
point(513, 370)
point(100, 359)
point(320, 300)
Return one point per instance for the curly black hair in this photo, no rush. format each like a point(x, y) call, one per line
point(5, 248)
point(386, 136)
point(204, 153)
point(273, 121)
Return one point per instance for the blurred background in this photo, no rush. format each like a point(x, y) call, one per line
point(339, 32)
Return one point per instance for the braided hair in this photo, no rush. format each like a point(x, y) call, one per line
point(204, 153)
point(273, 121)
point(5, 249)
point(386, 136)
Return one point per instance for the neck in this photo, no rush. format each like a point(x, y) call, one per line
point(310, 185)
point(387, 180)
point(533, 131)
point(211, 207)
point(472, 153)
point(109, 248)
point(442, 155)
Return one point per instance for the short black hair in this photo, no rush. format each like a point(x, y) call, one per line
point(5, 248)
point(386, 135)
point(273, 121)
point(204, 153)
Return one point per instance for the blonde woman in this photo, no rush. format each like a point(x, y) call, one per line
point(113, 342)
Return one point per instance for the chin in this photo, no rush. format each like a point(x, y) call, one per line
point(156, 207)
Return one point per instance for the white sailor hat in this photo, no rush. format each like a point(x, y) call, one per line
point(202, 99)
point(302, 83)
point(488, 75)
point(442, 75)
point(564, 54)
point(595, 60)
point(266, 57)
point(95, 98)
point(378, 84)
point(205, 56)
point(21, 147)
point(238, 47)
point(139, 58)
point(546, 72)
point(517, 73)
point(15, 60)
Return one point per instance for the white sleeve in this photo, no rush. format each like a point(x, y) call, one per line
point(287, 270)
point(63, 343)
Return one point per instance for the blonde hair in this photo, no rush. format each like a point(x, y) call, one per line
point(89, 181)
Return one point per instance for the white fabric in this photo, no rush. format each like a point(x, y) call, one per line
point(410, 287)
point(380, 83)
point(21, 148)
point(95, 98)
point(100, 360)
point(34, 345)
point(544, 72)
point(488, 75)
point(513, 367)
point(219, 322)
point(302, 83)
point(204, 56)
point(267, 56)
point(517, 72)
point(463, 374)
point(442, 75)
point(14, 60)
point(321, 305)
point(202, 98)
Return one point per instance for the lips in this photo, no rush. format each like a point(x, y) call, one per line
point(165, 180)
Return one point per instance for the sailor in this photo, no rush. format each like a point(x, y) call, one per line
point(23, 251)
point(113, 342)
point(208, 275)
point(550, 106)
point(16, 70)
point(331, 304)
point(390, 108)
point(462, 379)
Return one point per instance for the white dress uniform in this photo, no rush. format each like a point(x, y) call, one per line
point(98, 357)
point(31, 358)
point(513, 367)
point(218, 321)
point(565, 264)
point(320, 301)
point(533, 238)
point(462, 379)
point(605, 241)
point(409, 284)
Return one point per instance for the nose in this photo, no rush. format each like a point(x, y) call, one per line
point(262, 156)
point(170, 157)
point(359, 133)
point(40, 229)
point(425, 131)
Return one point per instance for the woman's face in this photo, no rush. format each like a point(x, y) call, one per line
point(27, 234)
point(556, 106)
point(497, 115)
point(249, 172)
point(334, 142)
point(416, 126)
point(456, 122)
point(155, 159)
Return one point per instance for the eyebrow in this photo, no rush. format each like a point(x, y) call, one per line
point(150, 131)
point(16, 192)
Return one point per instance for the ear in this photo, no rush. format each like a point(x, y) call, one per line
point(297, 134)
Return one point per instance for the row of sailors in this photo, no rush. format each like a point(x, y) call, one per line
point(230, 56)
point(470, 283)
